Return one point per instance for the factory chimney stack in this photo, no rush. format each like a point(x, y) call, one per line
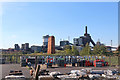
point(85, 31)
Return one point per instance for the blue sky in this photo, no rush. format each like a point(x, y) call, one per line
point(30, 21)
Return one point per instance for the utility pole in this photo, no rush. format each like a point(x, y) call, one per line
point(111, 43)
point(68, 38)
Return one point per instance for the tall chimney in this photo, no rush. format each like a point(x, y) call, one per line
point(86, 30)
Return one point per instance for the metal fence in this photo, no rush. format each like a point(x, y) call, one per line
point(15, 59)
point(11, 59)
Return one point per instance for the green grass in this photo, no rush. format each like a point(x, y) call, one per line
point(113, 60)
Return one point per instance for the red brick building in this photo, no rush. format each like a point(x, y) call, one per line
point(51, 45)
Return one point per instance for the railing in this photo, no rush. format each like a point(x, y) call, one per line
point(15, 59)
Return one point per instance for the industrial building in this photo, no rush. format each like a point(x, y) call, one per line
point(17, 47)
point(64, 43)
point(25, 47)
point(36, 48)
point(45, 40)
point(22, 46)
point(57, 47)
point(78, 41)
point(99, 43)
point(83, 40)
point(45, 43)
point(51, 45)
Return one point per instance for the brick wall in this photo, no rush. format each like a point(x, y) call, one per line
point(51, 45)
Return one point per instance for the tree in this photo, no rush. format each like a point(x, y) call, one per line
point(75, 51)
point(86, 50)
point(103, 49)
point(99, 50)
point(36, 52)
point(68, 50)
point(67, 47)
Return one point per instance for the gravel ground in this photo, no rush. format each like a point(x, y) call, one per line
point(7, 67)
point(68, 69)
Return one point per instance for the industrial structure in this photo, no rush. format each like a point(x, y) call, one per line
point(51, 45)
point(45, 40)
point(22, 46)
point(36, 49)
point(25, 47)
point(17, 47)
point(83, 40)
point(64, 43)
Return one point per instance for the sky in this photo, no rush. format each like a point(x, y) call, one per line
point(28, 22)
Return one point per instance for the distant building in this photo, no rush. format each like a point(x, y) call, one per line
point(25, 47)
point(10, 49)
point(109, 48)
point(4, 50)
point(44, 49)
point(45, 40)
point(78, 41)
point(83, 40)
point(17, 47)
point(36, 48)
point(51, 45)
point(70, 44)
point(99, 43)
point(22, 46)
point(64, 43)
point(58, 47)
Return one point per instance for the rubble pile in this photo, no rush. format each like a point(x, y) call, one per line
point(83, 74)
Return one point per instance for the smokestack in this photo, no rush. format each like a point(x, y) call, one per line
point(86, 30)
